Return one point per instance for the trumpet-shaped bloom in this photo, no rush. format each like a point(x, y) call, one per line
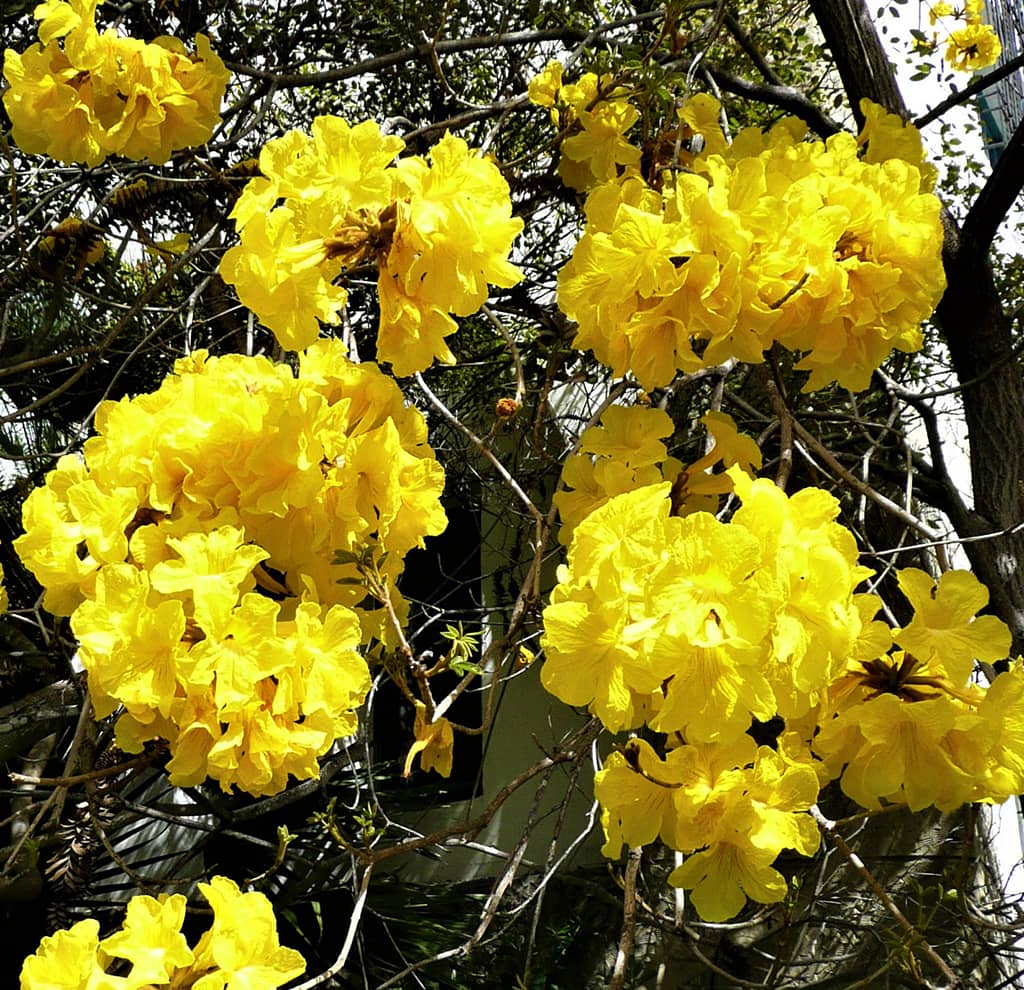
point(735, 807)
point(900, 751)
point(625, 452)
point(151, 940)
point(973, 47)
point(241, 947)
point(740, 823)
point(597, 114)
point(288, 285)
point(434, 742)
point(67, 960)
point(543, 88)
point(945, 632)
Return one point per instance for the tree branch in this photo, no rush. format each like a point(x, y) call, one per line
point(963, 95)
point(785, 97)
point(425, 51)
point(997, 196)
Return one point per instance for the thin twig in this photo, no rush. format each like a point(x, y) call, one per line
point(513, 350)
point(625, 953)
point(859, 486)
point(482, 447)
point(350, 935)
point(917, 940)
point(980, 84)
point(81, 778)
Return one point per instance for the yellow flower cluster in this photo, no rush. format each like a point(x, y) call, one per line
point(193, 546)
point(334, 201)
point(735, 806)
point(694, 626)
point(104, 94)
point(908, 727)
point(972, 46)
point(240, 948)
point(596, 113)
point(701, 630)
point(625, 452)
point(770, 238)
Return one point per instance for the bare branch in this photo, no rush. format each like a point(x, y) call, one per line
point(784, 97)
point(979, 85)
point(997, 195)
point(629, 896)
point(917, 940)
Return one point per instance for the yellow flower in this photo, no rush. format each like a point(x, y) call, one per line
point(599, 114)
point(738, 804)
point(810, 561)
point(589, 660)
point(327, 675)
point(635, 788)
point(703, 115)
point(53, 537)
point(886, 135)
point(215, 569)
point(241, 947)
point(696, 488)
point(1002, 712)
point(130, 645)
point(601, 145)
point(900, 750)
point(973, 47)
point(412, 333)
point(759, 612)
point(48, 113)
point(628, 454)
point(286, 284)
point(543, 89)
point(434, 743)
point(193, 548)
point(438, 232)
point(741, 820)
point(336, 187)
point(945, 632)
point(706, 271)
point(67, 960)
point(453, 233)
point(151, 940)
